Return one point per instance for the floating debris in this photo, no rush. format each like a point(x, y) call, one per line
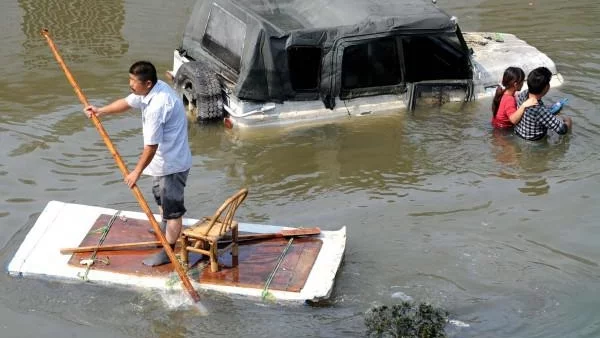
point(402, 296)
point(458, 323)
point(406, 320)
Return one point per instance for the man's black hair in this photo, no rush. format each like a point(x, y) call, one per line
point(144, 71)
point(538, 79)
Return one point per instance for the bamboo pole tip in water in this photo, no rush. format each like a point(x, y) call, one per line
point(44, 31)
point(200, 308)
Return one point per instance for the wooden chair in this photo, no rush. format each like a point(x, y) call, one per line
point(203, 237)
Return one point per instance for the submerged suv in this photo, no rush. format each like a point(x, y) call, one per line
point(254, 62)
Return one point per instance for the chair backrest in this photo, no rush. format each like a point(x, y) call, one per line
point(226, 212)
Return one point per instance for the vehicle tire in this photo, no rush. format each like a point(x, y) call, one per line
point(200, 90)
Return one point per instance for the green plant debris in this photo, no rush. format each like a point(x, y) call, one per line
point(267, 296)
point(194, 274)
point(172, 280)
point(498, 37)
point(100, 230)
point(406, 320)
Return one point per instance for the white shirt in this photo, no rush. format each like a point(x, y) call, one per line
point(164, 123)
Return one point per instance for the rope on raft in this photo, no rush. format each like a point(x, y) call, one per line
point(265, 292)
point(90, 261)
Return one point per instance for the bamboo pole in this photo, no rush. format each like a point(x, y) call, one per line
point(135, 189)
point(154, 244)
point(111, 247)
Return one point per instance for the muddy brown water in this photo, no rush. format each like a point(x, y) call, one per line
point(503, 234)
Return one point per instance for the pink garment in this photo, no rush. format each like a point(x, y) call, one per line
point(508, 105)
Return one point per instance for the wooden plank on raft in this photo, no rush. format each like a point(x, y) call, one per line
point(126, 261)
point(256, 258)
point(153, 244)
point(298, 265)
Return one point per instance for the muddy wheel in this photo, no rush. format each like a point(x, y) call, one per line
point(200, 90)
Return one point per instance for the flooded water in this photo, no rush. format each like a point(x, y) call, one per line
point(499, 232)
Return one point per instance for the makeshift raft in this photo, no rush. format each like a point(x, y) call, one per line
point(302, 269)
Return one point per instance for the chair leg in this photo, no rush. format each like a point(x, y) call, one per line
point(234, 247)
point(214, 263)
point(184, 251)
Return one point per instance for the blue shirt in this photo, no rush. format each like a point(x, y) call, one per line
point(164, 123)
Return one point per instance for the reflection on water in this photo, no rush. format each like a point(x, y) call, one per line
point(304, 162)
point(515, 154)
point(82, 29)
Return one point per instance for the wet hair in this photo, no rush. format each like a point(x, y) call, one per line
point(538, 79)
point(144, 71)
point(511, 76)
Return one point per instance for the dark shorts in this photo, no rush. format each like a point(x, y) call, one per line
point(168, 193)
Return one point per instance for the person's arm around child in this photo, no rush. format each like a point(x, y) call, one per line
point(518, 114)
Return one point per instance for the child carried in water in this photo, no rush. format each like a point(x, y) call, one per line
point(536, 121)
point(505, 113)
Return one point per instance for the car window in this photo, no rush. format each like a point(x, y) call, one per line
point(434, 58)
point(304, 63)
point(371, 64)
point(224, 37)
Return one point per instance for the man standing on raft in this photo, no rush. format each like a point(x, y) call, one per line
point(166, 155)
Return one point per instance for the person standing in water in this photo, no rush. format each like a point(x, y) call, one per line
point(166, 155)
point(536, 121)
point(505, 113)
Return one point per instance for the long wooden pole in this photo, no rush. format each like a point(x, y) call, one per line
point(135, 189)
point(154, 244)
point(111, 247)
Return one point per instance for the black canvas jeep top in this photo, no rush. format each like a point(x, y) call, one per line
point(281, 50)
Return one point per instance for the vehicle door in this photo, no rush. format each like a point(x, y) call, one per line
point(368, 73)
point(437, 68)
